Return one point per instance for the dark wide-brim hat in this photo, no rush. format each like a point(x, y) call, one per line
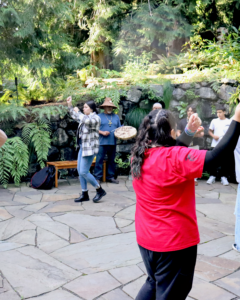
point(108, 102)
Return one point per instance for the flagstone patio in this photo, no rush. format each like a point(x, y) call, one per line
point(55, 249)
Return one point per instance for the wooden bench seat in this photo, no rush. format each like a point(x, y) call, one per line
point(59, 165)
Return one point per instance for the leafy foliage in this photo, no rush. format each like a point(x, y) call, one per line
point(135, 116)
point(13, 161)
point(39, 134)
point(182, 109)
point(12, 112)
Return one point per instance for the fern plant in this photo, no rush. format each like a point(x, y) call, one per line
point(47, 111)
point(12, 112)
point(13, 161)
point(39, 134)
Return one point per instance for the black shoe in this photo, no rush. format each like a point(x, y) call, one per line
point(83, 197)
point(112, 180)
point(99, 195)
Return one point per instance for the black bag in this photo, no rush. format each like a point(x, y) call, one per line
point(44, 179)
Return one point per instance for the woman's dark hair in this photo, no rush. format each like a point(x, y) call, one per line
point(193, 107)
point(154, 130)
point(92, 105)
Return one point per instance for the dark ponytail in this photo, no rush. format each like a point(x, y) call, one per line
point(92, 105)
point(154, 130)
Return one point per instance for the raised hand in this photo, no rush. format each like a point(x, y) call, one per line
point(194, 122)
point(69, 100)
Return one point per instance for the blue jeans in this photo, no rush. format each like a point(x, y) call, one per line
point(83, 167)
point(237, 225)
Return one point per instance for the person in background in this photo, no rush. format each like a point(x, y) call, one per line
point(157, 106)
point(197, 141)
point(217, 131)
point(3, 138)
point(109, 122)
point(88, 140)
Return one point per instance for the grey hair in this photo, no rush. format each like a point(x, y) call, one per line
point(157, 104)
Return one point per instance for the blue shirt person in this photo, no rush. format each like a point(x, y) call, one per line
point(109, 122)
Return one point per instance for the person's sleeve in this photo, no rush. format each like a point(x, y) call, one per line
point(3, 138)
point(212, 125)
point(78, 116)
point(189, 163)
point(184, 139)
point(91, 122)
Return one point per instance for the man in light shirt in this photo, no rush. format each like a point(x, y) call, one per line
point(3, 138)
point(217, 131)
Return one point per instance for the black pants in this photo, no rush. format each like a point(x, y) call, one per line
point(110, 150)
point(170, 274)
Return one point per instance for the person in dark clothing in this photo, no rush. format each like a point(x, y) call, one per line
point(165, 219)
point(198, 138)
point(109, 122)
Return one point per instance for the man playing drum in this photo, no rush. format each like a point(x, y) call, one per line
point(109, 122)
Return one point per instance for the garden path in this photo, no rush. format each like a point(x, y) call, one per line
point(55, 249)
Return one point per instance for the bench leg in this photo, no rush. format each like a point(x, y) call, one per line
point(56, 177)
point(104, 172)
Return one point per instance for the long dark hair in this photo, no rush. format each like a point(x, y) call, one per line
point(154, 130)
point(92, 105)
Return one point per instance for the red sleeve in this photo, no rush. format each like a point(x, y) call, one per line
point(189, 162)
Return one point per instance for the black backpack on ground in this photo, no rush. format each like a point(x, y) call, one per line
point(44, 179)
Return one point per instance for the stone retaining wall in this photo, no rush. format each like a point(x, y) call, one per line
point(206, 98)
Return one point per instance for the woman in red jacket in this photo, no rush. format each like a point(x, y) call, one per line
point(166, 222)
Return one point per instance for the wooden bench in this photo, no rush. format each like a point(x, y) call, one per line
point(59, 165)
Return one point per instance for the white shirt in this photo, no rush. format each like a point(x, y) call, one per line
point(218, 127)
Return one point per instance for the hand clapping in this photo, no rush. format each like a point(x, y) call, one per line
point(194, 122)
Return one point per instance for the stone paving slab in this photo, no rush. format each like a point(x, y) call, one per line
point(233, 255)
point(18, 212)
point(126, 274)
point(220, 212)
point(207, 234)
point(226, 229)
point(58, 197)
point(39, 273)
point(90, 226)
point(216, 247)
point(213, 268)
point(127, 213)
point(24, 237)
point(91, 286)
point(13, 226)
point(24, 200)
point(134, 287)
point(230, 283)
point(207, 200)
point(203, 290)
point(115, 295)
point(9, 295)
point(62, 206)
point(6, 246)
point(4, 215)
point(49, 242)
point(42, 274)
point(208, 194)
point(56, 295)
point(228, 198)
point(101, 254)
